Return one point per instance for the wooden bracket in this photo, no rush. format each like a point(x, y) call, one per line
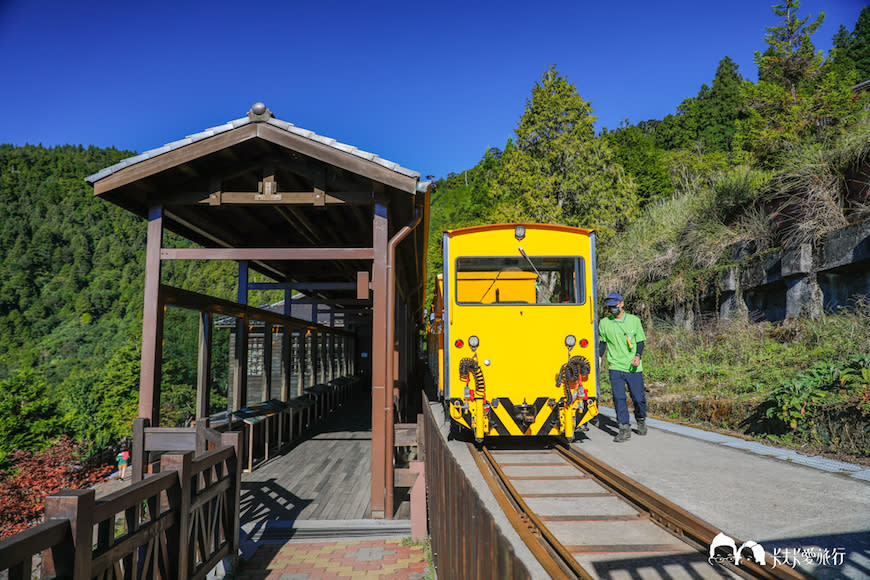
point(214, 192)
point(362, 285)
point(268, 188)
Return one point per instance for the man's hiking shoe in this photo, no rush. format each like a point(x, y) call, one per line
point(641, 426)
point(624, 434)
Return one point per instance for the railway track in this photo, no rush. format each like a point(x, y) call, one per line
point(583, 519)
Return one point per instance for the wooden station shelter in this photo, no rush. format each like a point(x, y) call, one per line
point(308, 213)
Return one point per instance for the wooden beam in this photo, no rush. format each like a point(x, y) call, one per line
point(302, 286)
point(342, 159)
point(333, 302)
point(195, 301)
point(267, 254)
point(172, 159)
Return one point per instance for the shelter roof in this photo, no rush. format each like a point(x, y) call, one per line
point(259, 182)
point(282, 125)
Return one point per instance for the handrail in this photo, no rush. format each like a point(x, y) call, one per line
point(17, 551)
point(191, 523)
point(136, 493)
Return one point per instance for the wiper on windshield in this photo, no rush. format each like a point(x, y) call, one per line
point(523, 252)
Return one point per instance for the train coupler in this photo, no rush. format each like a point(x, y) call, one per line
point(525, 415)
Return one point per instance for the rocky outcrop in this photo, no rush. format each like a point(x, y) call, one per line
point(804, 280)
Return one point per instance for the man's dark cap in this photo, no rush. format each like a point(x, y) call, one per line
point(613, 299)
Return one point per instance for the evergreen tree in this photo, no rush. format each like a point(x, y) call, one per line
point(859, 45)
point(558, 172)
point(723, 107)
point(799, 96)
point(708, 121)
point(791, 59)
point(841, 57)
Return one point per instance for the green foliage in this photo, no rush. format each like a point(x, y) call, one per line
point(558, 172)
point(456, 201)
point(105, 398)
point(858, 45)
point(753, 360)
point(795, 403)
point(71, 291)
point(800, 97)
point(790, 60)
point(635, 149)
point(708, 121)
point(28, 413)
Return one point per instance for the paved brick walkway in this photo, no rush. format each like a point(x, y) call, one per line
point(344, 559)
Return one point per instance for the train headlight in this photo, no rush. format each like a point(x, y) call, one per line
point(520, 232)
point(473, 342)
point(584, 343)
point(459, 343)
point(570, 341)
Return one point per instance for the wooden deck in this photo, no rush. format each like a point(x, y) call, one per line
point(325, 476)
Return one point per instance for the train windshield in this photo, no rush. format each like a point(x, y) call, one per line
point(520, 280)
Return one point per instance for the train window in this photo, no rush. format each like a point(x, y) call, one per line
point(520, 280)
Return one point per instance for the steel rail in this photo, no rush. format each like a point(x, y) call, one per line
point(556, 560)
point(670, 515)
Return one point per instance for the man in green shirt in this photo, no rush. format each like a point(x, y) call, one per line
point(621, 336)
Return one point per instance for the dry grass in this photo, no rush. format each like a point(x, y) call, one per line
point(810, 191)
point(691, 230)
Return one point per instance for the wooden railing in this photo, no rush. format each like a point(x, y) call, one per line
point(176, 524)
point(455, 504)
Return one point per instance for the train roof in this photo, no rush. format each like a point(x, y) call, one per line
point(489, 227)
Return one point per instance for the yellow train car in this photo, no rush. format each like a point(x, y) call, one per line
point(517, 329)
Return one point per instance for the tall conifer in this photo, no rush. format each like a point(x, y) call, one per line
point(558, 171)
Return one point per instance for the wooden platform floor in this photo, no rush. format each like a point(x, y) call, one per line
point(325, 476)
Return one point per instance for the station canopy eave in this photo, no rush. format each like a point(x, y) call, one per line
point(259, 182)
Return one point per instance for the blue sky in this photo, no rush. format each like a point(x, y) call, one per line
point(427, 85)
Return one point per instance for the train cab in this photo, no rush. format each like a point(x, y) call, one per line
point(518, 329)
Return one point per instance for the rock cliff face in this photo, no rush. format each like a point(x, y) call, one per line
point(805, 280)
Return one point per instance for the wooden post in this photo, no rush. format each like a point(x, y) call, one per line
point(240, 384)
point(203, 367)
point(379, 357)
point(234, 501)
point(200, 445)
point(152, 322)
point(77, 506)
point(300, 377)
point(315, 354)
point(179, 501)
point(287, 352)
point(287, 359)
point(139, 455)
point(267, 362)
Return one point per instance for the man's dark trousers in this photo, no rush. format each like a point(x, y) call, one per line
point(619, 380)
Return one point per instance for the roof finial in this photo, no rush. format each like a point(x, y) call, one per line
point(259, 113)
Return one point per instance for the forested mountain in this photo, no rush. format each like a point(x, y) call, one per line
point(71, 292)
point(667, 196)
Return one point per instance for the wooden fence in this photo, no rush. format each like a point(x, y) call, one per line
point(466, 542)
point(176, 524)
